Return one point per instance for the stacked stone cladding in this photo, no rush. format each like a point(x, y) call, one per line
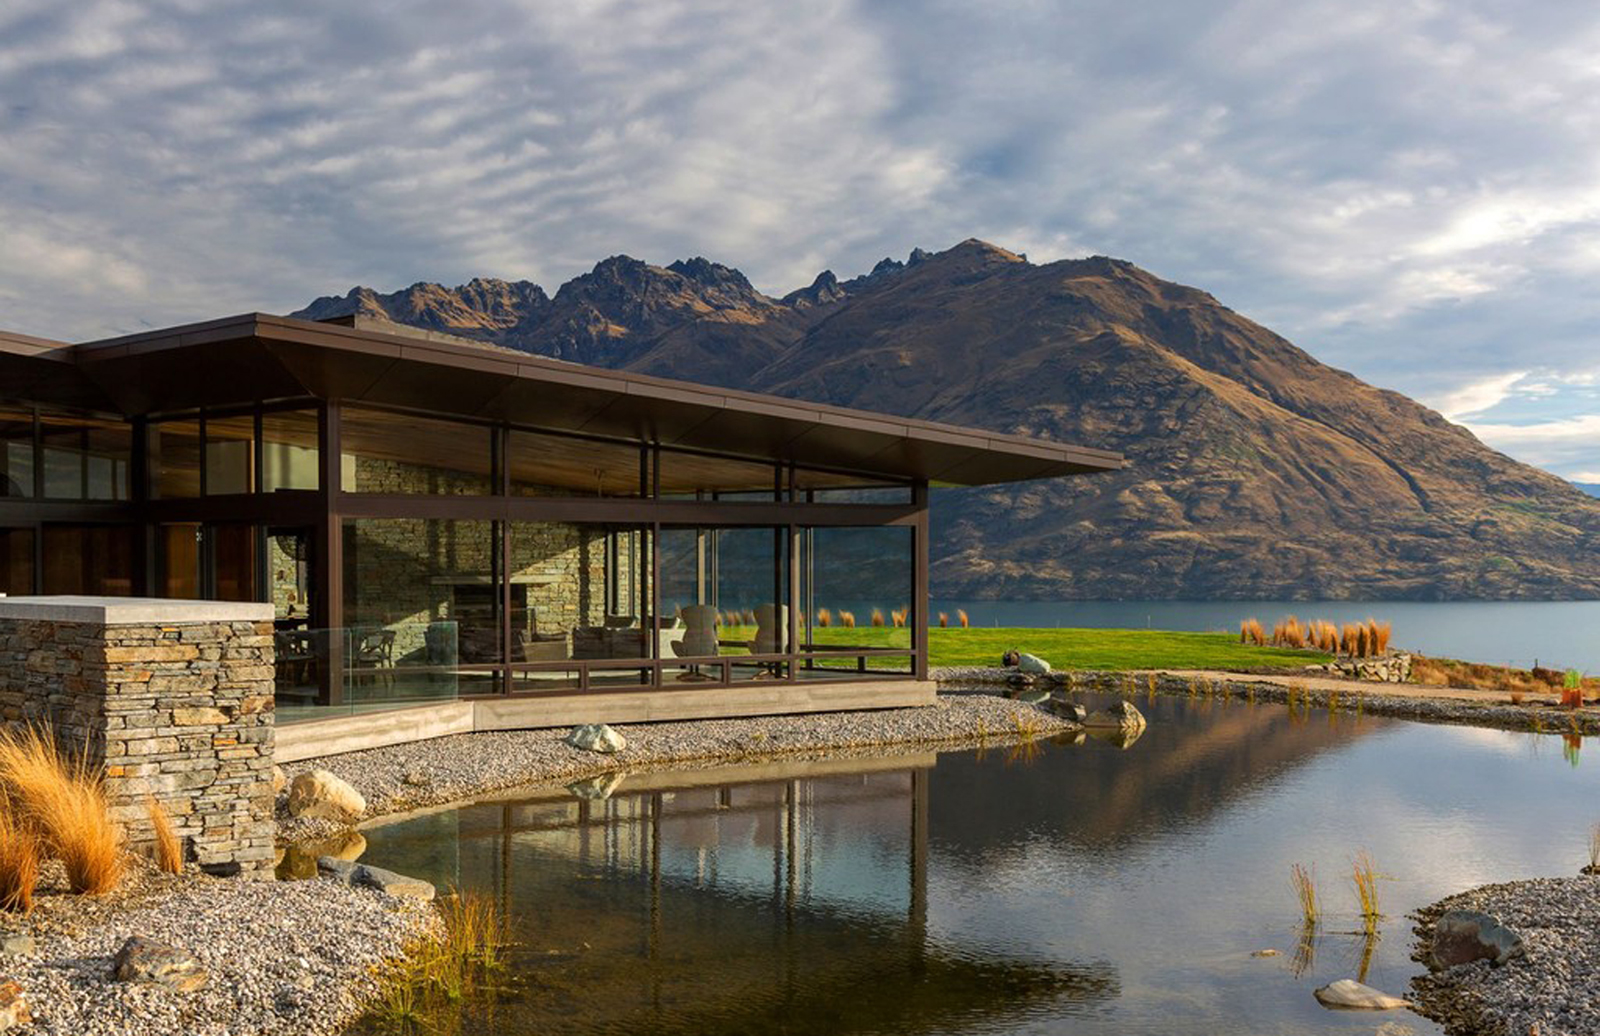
point(180, 713)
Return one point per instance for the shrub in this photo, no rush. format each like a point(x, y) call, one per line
point(1305, 890)
point(66, 804)
point(168, 850)
point(1364, 875)
point(19, 863)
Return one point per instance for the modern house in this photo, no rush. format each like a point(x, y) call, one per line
point(523, 539)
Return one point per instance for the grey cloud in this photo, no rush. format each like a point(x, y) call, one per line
point(1405, 189)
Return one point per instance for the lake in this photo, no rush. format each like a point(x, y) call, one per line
point(1556, 634)
point(1061, 887)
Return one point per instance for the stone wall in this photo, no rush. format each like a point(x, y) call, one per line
point(172, 698)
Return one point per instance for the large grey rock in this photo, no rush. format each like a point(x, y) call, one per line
point(1460, 936)
point(361, 875)
point(156, 963)
point(1068, 709)
point(1032, 664)
point(279, 780)
point(1120, 715)
point(318, 793)
point(14, 1012)
point(597, 737)
point(1349, 995)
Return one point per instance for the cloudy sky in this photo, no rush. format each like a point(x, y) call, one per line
point(1409, 189)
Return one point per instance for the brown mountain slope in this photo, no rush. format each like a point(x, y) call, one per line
point(1255, 471)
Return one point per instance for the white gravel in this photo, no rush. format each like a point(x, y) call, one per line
point(449, 769)
point(1551, 992)
point(284, 957)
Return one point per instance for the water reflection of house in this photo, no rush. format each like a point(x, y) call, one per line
point(710, 903)
point(438, 520)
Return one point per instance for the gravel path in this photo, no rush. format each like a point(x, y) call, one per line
point(462, 766)
point(1553, 992)
point(293, 958)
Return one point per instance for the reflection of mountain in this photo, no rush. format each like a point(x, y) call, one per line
point(1190, 763)
point(780, 907)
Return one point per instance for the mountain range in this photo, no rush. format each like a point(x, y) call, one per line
point(1255, 471)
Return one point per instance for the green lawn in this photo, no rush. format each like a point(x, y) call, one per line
point(1071, 648)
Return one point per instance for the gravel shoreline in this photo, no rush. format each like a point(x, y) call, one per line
point(284, 957)
point(1551, 992)
point(1376, 699)
point(463, 766)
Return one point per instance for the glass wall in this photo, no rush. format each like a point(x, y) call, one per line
point(16, 562)
point(175, 454)
point(579, 592)
point(691, 475)
point(230, 455)
point(555, 465)
point(88, 559)
point(16, 451)
point(856, 592)
point(422, 607)
point(289, 450)
point(402, 453)
point(85, 458)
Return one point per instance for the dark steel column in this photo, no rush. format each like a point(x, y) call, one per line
point(919, 581)
point(328, 561)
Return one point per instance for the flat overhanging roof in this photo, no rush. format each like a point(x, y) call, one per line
point(257, 357)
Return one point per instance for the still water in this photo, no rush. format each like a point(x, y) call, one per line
point(1557, 634)
point(1059, 888)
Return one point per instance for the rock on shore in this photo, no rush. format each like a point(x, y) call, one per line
point(283, 957)
point(1550, 990)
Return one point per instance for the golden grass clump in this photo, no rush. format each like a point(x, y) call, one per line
point(944, 620)
point(1250, 632)
point(847, 619)
point(168, 850)
point(1305, 890)
point(824, 617)
point(877, 616)
point(898, 617)
point(19, 863)
point(60, 799)
point(1364, 875)
point(1378, 633)
point(1289, 633)
point(961, 617)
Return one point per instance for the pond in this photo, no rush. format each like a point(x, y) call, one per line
point(1059, 887)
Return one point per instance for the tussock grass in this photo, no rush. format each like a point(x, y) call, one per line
point(436, 975)
point(1029, 724)
point(168, 850)
point(824, 618)
point(1380, 632)
point(19, 863)
point(944, 620)
point(898, 617)
point(877, 616)
point(847, 619)
point(1250, 632)
point(961, 617)
point(1364, 876)
point(59, 798)
point(1305, 892)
